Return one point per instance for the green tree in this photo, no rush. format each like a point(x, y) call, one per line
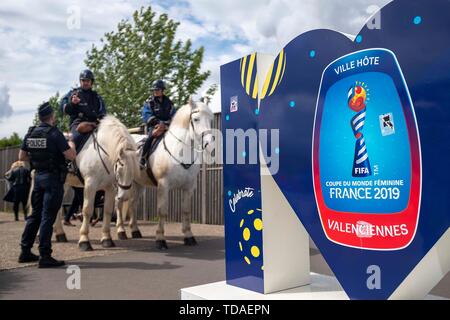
point(137, 53)
point(209, 93)
point(11, 141)
point(61, 119)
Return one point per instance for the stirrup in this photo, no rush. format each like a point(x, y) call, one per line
point(143, 162)
point(71, 168)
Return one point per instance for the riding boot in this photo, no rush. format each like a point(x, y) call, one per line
point(71, 167)
point(146, 150)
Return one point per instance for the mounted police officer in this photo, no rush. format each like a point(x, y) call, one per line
point(85, 108)
point(46, 149)
point(157, 113)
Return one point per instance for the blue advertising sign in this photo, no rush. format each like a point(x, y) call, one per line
point(363, 130)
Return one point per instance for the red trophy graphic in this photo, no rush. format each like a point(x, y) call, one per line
point(357, 97)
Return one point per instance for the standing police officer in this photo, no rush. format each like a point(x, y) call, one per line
point(46, 149)
point(157, 112)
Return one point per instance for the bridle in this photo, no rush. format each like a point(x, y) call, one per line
point(191, 142)
point(99, 148)
point(121, 186)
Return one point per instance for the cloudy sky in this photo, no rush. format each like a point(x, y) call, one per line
point(43, 48)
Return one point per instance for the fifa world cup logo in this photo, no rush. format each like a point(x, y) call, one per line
point(357, 96)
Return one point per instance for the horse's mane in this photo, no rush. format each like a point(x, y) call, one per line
point(118, 136)
point(182, 116)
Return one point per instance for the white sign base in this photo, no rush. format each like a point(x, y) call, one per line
point(321, 288)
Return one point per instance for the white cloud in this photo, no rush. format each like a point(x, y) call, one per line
point(268, 25)
point(5, 107)
point(40, 55)
point(18, 122)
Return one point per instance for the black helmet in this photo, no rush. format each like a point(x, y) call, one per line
point(87, 74)
point(159, 84)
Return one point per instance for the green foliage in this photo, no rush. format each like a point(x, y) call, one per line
point(209, 94)
point(135, 55)
point(61, 119)
point(13, 140)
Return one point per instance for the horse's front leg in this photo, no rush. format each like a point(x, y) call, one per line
point(163, 211)
point(108, 208)
point(122, 208)
point(58, 228)
point(88, 208)
point(132, 211)
point(189, 239)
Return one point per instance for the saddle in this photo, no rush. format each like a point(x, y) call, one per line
point(156, 141)
point(85, 127)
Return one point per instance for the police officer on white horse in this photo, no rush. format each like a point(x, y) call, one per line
point(85, 108)
point(46, 149)
point(157, 112)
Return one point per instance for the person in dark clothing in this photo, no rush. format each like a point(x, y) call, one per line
point(85, 108)
point(46, 149)
point(77, 203)
point(157, 113)
point(19, 178)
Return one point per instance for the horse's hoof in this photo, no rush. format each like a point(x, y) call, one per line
point(161, 245)
point(85, 246)
point(61, 238)
point(190, 241)
point(136, 234)
point(122, 235)
point(108, 243)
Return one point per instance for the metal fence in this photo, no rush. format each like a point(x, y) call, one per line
point(7, 157)
point(206, 203)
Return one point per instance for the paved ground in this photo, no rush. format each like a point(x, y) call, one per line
point(134, 270)
point(11, 231)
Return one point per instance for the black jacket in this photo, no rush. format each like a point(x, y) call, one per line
point(19, 176)
point(91, 108)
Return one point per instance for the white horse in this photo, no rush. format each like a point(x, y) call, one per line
point(106, 162)
point(175, 164)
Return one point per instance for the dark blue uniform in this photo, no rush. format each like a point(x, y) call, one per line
point(154, 112)
point(45, 145)
point(91, 108)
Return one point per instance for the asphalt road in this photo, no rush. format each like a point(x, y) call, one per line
point(147, 274)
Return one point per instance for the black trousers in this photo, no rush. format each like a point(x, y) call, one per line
point(46, 199)
point(20, 197)
point(77, 202)
point(148, 143)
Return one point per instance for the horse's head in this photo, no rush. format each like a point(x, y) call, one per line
point(125, 170)
point(200, 125)
point(121, 153)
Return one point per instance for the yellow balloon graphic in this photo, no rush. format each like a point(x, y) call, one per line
point(274, 75)
point(249, 78)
